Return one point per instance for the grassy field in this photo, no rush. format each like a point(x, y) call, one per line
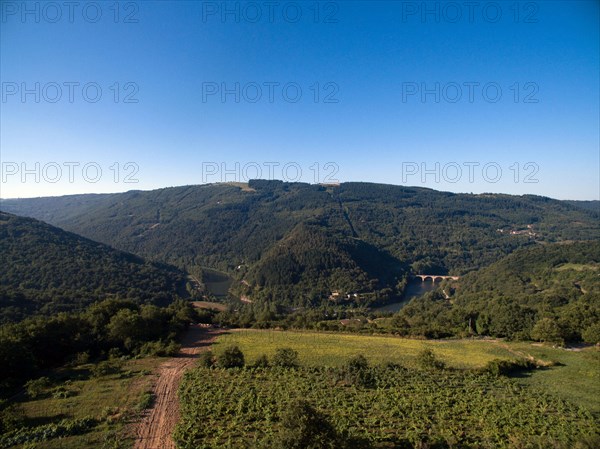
point(219, 307)
point(333, 349)
point(113, 400)
point(577, 379)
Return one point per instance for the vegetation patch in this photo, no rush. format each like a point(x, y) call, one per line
point(396, 407)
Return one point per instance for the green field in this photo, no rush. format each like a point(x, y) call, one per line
point(577, 379)
point(399, 405)
point(333, 349)
point(111, 400)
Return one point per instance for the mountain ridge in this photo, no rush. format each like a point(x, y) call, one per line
point(233, 228)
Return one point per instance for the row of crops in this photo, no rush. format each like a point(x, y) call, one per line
point(388, 406)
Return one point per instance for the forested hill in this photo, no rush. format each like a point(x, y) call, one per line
point(593, 206)
point(547, 292)
point(47, 270)
point(239, 228)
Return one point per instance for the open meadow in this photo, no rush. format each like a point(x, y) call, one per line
point(83, 407)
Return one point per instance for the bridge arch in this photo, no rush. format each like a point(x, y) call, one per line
point(434, 277)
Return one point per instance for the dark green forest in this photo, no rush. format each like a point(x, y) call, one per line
point(46, 270)
point(296, 244)
point(107, 329)
point(545, 292)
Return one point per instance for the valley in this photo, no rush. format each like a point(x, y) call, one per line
point(352, 294)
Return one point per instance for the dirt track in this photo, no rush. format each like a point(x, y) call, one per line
point(156, 427)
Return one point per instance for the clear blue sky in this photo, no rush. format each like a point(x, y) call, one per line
point(372, 58)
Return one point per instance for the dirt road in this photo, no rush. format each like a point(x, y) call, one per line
point(156, 427)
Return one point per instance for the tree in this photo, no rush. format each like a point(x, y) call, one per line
point(286, 358)
point(304, 427)
point(592, 334)
point(428, 360)
point(547, 330)
point(126, 328)
point(356, 371)
point(231, 357)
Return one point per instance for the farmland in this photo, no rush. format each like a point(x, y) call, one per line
point(577, 378)
point(402, 404)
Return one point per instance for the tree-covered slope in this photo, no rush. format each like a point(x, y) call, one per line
point(314, 262)
point(46, 270)
point(239, 229)
point(546, 292)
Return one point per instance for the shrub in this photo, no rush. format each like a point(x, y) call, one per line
point(207, 359)
point(357, 371)
point(106, 368)
point(286, 358)
point(61, 392)
point(160, 348)
point(12, 417)
point(37, 387)
point(146, 400)
point(231, 357)
point(428, 360)
point(261, 362)
point(498, 367)
point(304, 427)
point(592, 334)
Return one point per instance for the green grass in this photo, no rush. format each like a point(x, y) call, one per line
point(210, 305)
point(577, 267)
point(576, 380)
point(333, 349)
point(112, 399)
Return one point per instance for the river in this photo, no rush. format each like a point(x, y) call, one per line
point(414, 289)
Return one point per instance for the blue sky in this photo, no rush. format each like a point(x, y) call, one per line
point(500, 98)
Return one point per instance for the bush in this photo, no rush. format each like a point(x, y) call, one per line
point(146, 401)
point(428, 360)
point(160, 348)
point(304, 427)
point(231, 357)
point(592, 334)
point(286, 358)
point(261, 362)
point(207, 359)
point(63, 428)
point(357, 371)
point(12, 417)
point(498, 367)
point(37, 387)
point(61, 392)
point(106, 368)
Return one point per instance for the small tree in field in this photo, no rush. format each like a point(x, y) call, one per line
point(428, 360)
point(305, 427)
point(231, 357)
point(286, 358)
point(206, 359)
